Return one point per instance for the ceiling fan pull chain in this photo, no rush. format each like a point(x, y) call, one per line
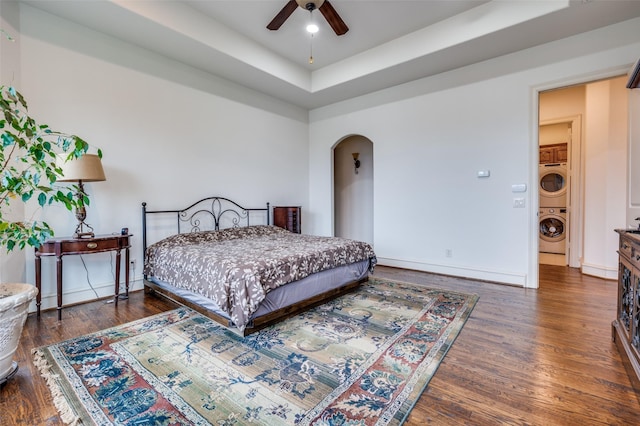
point(311, 29)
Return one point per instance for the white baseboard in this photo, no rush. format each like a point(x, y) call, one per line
point(457, 271)
point(72, 297)
point(106, 289)
point(600, 271)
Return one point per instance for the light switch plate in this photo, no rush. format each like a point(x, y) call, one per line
point(519, 187)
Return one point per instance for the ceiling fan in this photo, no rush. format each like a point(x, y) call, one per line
point(329, 13)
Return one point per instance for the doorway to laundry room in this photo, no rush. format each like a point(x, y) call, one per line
point(554, 178)
point(582, 182)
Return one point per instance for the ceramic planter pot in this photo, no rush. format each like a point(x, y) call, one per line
point(14, 306)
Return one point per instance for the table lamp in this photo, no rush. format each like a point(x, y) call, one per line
point(87, 168)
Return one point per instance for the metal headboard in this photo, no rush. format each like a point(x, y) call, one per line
point(213, 209)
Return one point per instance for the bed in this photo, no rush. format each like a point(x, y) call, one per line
point(229, 263)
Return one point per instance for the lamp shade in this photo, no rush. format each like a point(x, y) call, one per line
point(87, 168)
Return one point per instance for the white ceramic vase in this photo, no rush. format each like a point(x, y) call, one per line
point(14, 306)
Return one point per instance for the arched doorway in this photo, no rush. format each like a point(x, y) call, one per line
point(353, 188)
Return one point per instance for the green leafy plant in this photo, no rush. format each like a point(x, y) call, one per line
point(28, 169)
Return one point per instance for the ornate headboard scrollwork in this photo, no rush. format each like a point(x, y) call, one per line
point(208, 214)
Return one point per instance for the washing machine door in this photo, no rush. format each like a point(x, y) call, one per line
point(552, 228)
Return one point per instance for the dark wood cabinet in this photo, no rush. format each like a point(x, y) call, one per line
point(288, 218)
point(554, 153)
point(626, 326)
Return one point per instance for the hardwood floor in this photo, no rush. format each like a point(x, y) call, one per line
point(525, 357)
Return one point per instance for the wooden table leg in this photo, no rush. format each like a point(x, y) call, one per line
point(38, 284)
point(126, 271)
point(117, 277)
point(59, 283)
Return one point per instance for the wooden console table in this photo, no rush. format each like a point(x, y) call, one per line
point(72, 246)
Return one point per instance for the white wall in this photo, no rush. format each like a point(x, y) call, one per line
point(170, 135)
point(427, 198)
point(9, 44)
point(605, 175)
point(428, 149)
point(633, 206)
point(567, 102)
point(12, 265)
point(553, 133)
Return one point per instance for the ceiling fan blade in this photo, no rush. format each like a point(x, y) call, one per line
point(282, 16)
point(332, 17)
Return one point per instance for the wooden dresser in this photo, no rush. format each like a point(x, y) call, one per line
point(626, 326)
point(288, 218)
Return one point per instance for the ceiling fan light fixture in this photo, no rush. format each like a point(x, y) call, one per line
point(310, 4)
point(312, 28)
point(335, 21)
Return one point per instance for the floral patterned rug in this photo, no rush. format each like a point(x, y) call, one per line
point(361, 359)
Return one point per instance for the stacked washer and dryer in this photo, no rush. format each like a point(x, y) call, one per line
point(553, 208)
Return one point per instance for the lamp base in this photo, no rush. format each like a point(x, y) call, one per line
point(81, 232)
point(83, 235)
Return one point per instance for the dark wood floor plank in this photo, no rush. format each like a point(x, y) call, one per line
point(525, 357)
point(531, 356)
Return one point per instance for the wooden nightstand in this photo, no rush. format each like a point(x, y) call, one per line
point(288, 218)
point(66, 246)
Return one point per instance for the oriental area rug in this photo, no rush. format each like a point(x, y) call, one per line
point(362, 359)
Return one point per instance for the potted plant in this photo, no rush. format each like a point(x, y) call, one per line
point(29, 167)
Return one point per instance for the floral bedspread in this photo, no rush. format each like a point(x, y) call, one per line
point(237, 267)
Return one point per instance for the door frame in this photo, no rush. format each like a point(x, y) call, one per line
point(532, 280)
point(574, 187)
